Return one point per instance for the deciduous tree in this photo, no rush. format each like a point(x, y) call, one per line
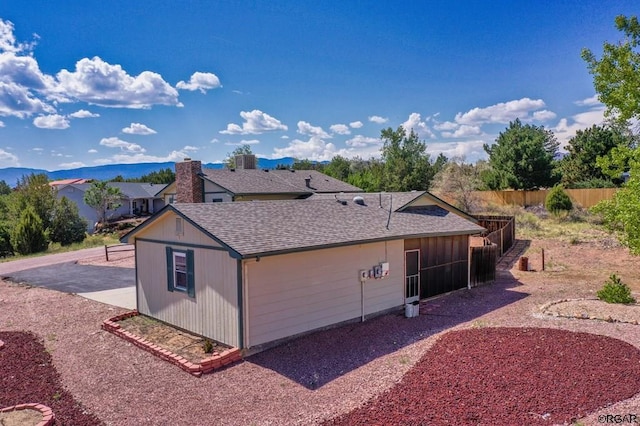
point(102, 197)
point(616, 75)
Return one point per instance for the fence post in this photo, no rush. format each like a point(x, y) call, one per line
point(106, 252)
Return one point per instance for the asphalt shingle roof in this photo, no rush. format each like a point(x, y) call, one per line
point(267, 227)
point(131, 190)
point(255, 181)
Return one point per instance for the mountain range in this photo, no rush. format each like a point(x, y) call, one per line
point(11, 175)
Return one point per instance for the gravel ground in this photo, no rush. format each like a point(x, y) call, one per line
point(28, 376)
point(314, 378)
point(502, 376)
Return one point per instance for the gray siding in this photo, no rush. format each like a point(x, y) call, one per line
point(299, 292)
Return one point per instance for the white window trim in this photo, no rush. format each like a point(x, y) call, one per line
point(183, 256)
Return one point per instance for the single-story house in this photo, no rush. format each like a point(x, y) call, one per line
point(246, 183)
point(251, 274)
point(139, 199)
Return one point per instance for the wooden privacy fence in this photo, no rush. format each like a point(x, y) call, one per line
point(501, 231)
point(500, 237)
point(585, 198)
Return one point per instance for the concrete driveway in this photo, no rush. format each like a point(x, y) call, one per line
point(111, 285)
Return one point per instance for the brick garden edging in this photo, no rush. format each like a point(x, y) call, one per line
point(47, 414)
point(1, 344)
point(207, 365)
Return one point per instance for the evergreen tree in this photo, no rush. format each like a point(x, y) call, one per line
point(522, 158)
point(67, 226)
point(29, 235)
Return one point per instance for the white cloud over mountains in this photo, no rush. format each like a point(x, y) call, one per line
point(114, 142)
point(25, 90)
point(256, 122)
point(305, 128)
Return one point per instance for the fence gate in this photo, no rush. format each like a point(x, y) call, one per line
point(412, 275)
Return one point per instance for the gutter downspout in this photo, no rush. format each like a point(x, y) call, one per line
point(362, 299)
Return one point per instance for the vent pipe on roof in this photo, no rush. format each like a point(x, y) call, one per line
point(307, 182)
point(390, 204)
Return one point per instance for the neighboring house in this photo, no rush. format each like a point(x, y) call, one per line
point(245, 183)
point(252, 274)
point(140, 199)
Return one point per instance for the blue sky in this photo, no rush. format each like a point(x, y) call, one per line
point(108, 82)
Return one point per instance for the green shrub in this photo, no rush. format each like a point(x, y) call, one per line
point(29, 236)
point(558, 201)
point(615, 291)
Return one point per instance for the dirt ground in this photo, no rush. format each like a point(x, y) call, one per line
point(179, 342)
point(26, 417)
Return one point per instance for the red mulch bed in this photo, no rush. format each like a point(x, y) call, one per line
point(506, 376)
point(28, 375)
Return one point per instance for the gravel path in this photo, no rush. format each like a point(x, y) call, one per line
point(314, 378)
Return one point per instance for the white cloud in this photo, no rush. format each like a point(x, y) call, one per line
point(470, 150)
point(313, 149)
point(114, 142)
point(305, 128)
point(415, 123)
point(361, 141)
point(243, 142)
point(37, 149)
point(463, 131)
point(256, 122)
point(53, 121)
point(1, 123)
point(189, 148)
point(8, 41)
point(284, 137)
point(142, 158)
point(592, 101)
point(7, 159)
point(92, 151)
point(356, 124)
point(377, 119)
point(83, 113)
point(502, 112)
point(214, 140)
point(138, 129)
point(340, 129)
point(544, 115)
point(201, 81)
point(17, 101)
point(72, 165)
point(97, 82)
point(567, 127)
point(447, 125)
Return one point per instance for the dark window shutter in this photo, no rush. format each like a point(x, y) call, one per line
point(191, 285)
point(169, 269)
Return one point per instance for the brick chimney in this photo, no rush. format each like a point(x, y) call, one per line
point(189, 183)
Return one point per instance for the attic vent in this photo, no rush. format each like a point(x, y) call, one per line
point(343, 202)
point(265, 170)
point(359, 200)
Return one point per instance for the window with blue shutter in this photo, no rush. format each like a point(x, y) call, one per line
point(180, 271)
